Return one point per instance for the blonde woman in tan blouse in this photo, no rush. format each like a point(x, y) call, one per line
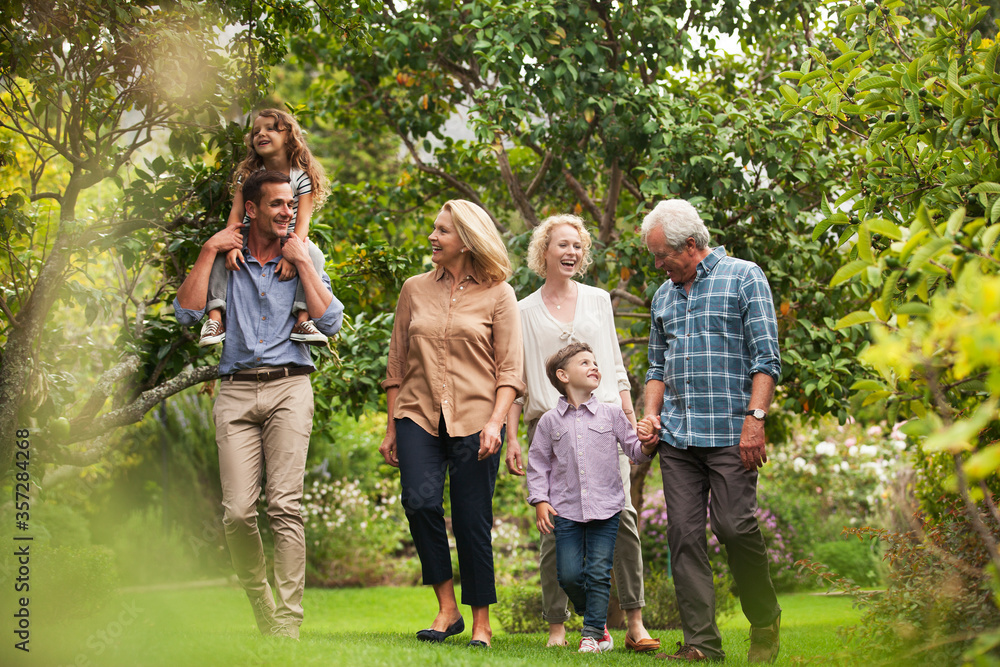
point(455, 367)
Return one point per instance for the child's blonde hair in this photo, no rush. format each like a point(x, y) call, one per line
point(299, 155)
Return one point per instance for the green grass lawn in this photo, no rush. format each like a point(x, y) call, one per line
point(373, 626)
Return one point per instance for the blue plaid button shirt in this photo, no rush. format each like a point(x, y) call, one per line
point(706, 345)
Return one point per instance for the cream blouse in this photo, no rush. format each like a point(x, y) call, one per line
point(544, 335)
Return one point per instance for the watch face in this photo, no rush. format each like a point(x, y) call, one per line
point(758, 414)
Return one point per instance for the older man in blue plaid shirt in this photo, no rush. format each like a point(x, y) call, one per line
point(713, 364)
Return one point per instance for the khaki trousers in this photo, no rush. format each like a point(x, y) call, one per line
point(627, 561)
point(265, 426)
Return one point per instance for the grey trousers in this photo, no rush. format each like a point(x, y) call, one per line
point(713, 479)
point(218, 281)
point(627, 563)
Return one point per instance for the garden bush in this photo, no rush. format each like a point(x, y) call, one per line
point(356, 535)
point(851, 559)
point(940, 599)
point(519, 609)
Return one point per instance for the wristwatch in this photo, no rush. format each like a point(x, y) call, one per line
point(757, 414)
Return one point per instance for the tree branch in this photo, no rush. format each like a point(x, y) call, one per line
point(581, 195)
point(134, 411)
point(619, 293)
point(521, 202)
point(104, 387)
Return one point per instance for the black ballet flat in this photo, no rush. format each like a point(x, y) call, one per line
point(477, 643)
point(430, 635)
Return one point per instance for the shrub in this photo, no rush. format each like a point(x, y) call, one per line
point(73, 582)
point(519, 609)
point(851, 559)
point(939, 592)
point(356, 536)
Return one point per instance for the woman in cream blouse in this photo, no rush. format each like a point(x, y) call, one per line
point(563, 311)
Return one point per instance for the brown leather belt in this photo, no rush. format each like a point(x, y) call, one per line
point(262, 375)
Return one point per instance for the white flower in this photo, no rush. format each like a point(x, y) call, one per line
point(799, 463)
point(852, 450)
point(869, 450)
point(826, 448)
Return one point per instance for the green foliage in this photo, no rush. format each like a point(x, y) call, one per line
point(851, 559)
point(939, 594)
point(915, 102)
point(357, 535)
point(88, 571)
point(519, 610)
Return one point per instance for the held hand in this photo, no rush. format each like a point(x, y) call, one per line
point(752, 451)
point(543, 519)
point(295, 251)
point(515, 465)
point(648, 430)
point(649, 449)
point(233, 260)
point(286, 270)
point(489, 440)
point(226, 240)
point(388, 449)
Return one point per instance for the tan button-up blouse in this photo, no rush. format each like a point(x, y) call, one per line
point(450, 352)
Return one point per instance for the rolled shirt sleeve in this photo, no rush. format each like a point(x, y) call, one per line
point(508, 345)
point(760, 324)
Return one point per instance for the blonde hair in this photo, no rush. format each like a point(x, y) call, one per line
point(480, 236)
point(299, 155)
point(542, 236)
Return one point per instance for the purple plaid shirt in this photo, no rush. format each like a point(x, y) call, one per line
point(573, 459)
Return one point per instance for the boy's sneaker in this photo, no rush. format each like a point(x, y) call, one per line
point(212, 333)
point(306, 332)
point(589, 645)
point(606, 643)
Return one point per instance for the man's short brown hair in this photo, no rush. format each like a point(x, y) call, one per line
point(559, 360)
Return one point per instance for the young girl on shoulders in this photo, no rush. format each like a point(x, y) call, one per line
point(276, 144)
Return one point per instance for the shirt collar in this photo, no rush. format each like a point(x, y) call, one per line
point(440, 273)
point(706, 265)
point(563, 406)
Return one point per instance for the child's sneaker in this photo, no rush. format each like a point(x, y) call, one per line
point(589, 645)
point(606, 643)
point(306, 332)
point(212, 333)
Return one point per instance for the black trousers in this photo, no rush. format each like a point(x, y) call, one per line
point(424, 460)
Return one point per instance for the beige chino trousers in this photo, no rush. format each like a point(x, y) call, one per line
point(265, 426)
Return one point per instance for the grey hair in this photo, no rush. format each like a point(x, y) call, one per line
point(679, 221)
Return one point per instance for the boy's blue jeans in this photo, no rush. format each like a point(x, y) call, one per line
point(585, 552)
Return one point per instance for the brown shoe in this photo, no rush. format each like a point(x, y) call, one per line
point(764, 642)
point(641, 646)
point(684, 652)
point(212, 333)
point(306, 332)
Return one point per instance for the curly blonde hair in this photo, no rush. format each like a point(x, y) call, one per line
point(299, 155)
point(480, 236)
point(542, 236)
